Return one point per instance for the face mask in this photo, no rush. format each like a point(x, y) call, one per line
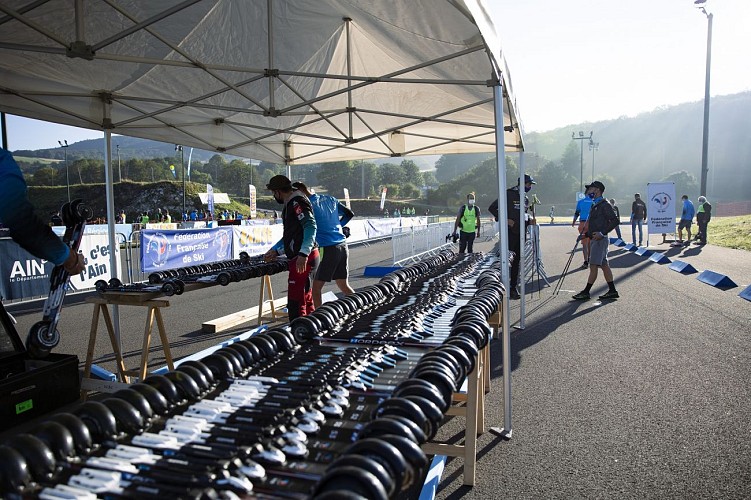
point(470, 202)
point(591, 195)
point(279, 200)
point(527, 189)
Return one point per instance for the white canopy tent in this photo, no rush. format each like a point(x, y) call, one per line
point(285, 81)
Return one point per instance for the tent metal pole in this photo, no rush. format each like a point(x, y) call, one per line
point(500, 152)
point(522, 240)
point(270, 25)
point(109, 187)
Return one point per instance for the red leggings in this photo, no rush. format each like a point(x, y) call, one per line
point(299, 295)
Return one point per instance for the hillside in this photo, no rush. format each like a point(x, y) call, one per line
point(632, 151)
point(650, 146)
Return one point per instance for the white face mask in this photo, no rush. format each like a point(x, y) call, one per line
point(470, 202)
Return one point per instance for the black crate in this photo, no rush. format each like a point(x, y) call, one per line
point(29, 387)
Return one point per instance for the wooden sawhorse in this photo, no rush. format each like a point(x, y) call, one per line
point(154, 311)
point(478, 384)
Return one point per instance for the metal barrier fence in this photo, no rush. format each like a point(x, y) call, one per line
point(413, 243)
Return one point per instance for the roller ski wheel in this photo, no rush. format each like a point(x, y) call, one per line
point(179, 286)
point(41, 340)
point(169, 289)
point(115, 283)
point(101, 286)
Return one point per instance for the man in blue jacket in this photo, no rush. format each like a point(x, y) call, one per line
point(331, 217)
point(298, 244)
point(687, 217)
point(582, 213)
point(26, 229)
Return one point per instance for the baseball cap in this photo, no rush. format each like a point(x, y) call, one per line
point(279, 182)
point(528, 179)
point(597, 184)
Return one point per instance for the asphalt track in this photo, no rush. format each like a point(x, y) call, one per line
point(644, 397)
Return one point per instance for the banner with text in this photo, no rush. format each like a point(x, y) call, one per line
point(169, 249)
point(22, 275)
point(255, 240)
point(661, 207)
point(383, 198)
point(96, 253)
point(210, 192)
point(252, 200)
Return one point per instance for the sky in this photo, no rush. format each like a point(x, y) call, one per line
point(579, 61)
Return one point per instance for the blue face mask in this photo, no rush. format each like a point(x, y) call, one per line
point(591, 195)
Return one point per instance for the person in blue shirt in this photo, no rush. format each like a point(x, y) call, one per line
point(582, 213)
point(26, 228)
point(331, 216)
point(687, 216)
point(298, 244)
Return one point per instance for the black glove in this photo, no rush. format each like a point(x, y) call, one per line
point(346, 231)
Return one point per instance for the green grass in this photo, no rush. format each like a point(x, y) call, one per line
point(44, 161)
point(730, 232)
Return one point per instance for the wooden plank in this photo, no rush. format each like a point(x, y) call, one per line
point(238, 318)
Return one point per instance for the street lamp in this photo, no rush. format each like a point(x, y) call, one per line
point(705, 136)
point(581, 138)
point(119, 172)
point(64, 145)
point(593, 146)
point(182, 162)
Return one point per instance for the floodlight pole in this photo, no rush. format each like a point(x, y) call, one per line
point(581, 138)
point(705, 134)
point(119, 172)
point(182, 162)
point(64, 144)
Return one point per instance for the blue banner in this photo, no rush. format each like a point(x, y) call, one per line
point(21, 274)
point(170, 249)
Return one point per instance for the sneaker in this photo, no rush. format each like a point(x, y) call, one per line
point(581, 296)
point(514, 295)
point(586, 263)
point(610, 295)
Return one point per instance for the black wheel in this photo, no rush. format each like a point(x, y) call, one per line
point(168, 288)
point(41, 340)
point(101, 286)
point(303, 328)
point(224, 278)
point(179, 286)
point(115, 283)
point(84, 212)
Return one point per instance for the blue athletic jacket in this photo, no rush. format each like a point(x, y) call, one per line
point(330, 216)
point(17, 213)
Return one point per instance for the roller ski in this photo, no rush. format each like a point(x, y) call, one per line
point(43, 336)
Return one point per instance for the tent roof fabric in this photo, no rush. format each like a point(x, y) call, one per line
point(292, 81)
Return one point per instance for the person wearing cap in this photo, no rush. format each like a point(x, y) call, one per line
point(601, 221)
point(582, 213)
point(468, 224)
point(687, 217)
point(331, 217)
point(298, 244)
point(26, 228)
point(513, 208)
point(638, 216)
point(703, 216)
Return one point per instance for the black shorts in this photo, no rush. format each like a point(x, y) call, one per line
point(334, 263)
point(684, 224)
